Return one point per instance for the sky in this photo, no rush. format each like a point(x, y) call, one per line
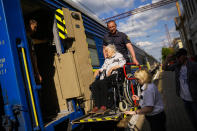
point(147, 29)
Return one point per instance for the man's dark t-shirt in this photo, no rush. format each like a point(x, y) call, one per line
point(120, 40)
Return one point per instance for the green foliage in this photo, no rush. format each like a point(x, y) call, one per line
point(166, 51)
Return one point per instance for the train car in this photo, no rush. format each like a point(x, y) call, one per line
point(72, 38)
point(69, 51)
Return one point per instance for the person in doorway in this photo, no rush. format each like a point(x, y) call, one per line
point(99, 88)
point(150, 102)
point(186, 82)
point(31, 28)
point(120, 40)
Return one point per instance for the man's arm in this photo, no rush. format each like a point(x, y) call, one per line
point(132, 52)
point(37, 41)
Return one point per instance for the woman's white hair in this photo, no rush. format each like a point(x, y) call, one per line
point(111, 47)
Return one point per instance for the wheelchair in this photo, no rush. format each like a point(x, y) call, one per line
point(123, 86)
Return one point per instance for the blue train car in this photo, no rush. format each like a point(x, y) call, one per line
point(70, 47)
point(27, 105)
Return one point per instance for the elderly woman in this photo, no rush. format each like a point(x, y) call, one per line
point(113, 61)
point(150, 102)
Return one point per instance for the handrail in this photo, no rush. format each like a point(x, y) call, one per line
point(124, 68)
point(132, 78)
point(30, 87)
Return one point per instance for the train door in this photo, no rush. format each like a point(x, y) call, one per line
point(13, 79)
point(62, 60)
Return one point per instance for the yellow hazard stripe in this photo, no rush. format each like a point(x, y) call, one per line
point(90, 120)
point(60, 27)
point(59, 19)
point(98, 119)
point(82, 121)
point(65, 30)
point(60, 11)
point(30, 88)
point(108, 118)
point(61, 35)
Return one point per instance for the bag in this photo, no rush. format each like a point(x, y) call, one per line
point(124, 122)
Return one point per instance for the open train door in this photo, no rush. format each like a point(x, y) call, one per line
point(73, 74)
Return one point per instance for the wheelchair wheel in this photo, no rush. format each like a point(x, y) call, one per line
point(123, 106)
point(127, 89)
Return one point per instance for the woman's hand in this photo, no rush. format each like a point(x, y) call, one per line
point(96, 73)
point(113, 68)
point(134, 97)
point(130, 112)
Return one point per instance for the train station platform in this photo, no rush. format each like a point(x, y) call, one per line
point(177, 119)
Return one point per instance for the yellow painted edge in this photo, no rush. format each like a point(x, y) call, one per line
point(60, 27)
point(94, 70)
point(58, 18)
point(99, 119)
point(61, 35)
point(60, 11)
point(108, 118)
point(65, 30)
point(90, 120)
point(30, 88)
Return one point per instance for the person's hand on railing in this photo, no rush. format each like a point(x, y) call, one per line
point(135, 62)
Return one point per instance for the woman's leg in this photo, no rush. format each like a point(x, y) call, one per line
point(104, 92)
point(96, 92)
point(105, 84)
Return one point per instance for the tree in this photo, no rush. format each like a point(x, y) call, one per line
point(166, 51)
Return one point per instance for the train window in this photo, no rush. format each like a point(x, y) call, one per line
point(93, 51)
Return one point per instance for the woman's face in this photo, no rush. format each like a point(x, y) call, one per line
point(109, 53)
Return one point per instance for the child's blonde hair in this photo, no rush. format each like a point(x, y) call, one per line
point(143, 75)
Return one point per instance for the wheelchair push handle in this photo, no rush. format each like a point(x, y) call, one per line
point(125, 73)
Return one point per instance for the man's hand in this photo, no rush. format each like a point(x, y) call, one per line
point(40, 78)
point(132, 52)
point(135, 61)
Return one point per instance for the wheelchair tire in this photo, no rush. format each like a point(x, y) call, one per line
point(123, 106)
point(126, 92)
point(127, 89)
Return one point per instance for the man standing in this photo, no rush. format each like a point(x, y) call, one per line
point(186, 82)
point(31, 29)
point(120, 40)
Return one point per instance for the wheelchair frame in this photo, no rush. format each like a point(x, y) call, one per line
point(125, 99)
